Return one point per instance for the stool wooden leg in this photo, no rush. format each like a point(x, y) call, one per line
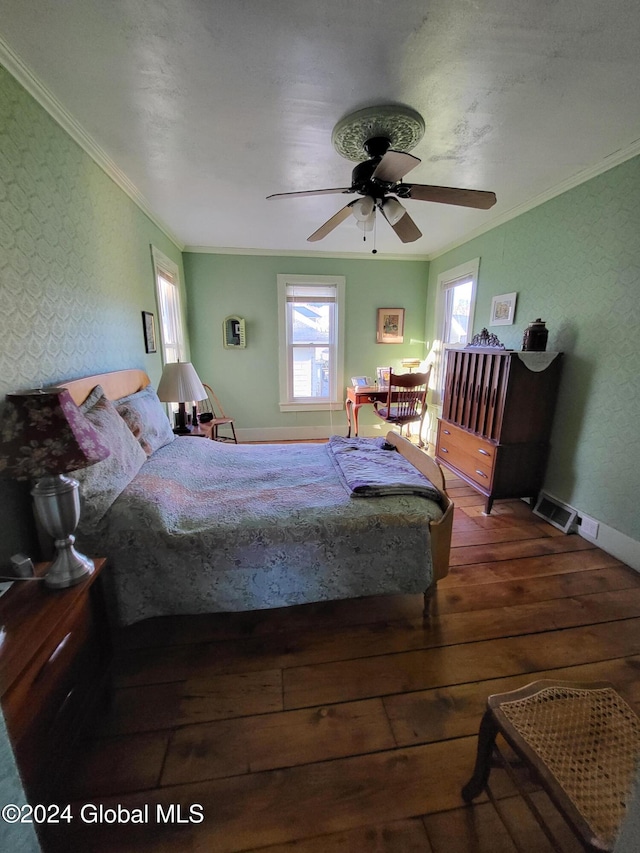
point(486, 740)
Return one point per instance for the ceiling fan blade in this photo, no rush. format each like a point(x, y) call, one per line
point(394, 166)
point(405, 228)
point(311, 192)
point(451, 195)
point(330, 224)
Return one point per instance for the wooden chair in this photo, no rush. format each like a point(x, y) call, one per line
point(213, 407)
point(406, 401)
point(581, 742)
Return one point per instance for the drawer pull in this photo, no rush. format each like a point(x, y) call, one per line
point(56, 652)
point(484, 452)
point(446, 432)
point(482, 474)
point(443, 450)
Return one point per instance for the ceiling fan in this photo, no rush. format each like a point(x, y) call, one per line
point(379, 132)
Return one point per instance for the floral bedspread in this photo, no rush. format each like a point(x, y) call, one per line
point(207, 527)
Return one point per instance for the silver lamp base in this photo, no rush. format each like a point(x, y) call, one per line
point(57, 505)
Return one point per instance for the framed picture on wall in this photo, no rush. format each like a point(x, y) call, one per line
point(503, 309)
point(149, 328)
point(390, 326)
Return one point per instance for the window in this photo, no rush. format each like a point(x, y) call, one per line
point(311, 326)
point(457, 288)
point(169, 308)
point(456, 302)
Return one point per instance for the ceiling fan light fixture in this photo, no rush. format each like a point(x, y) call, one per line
point(363, 208)
point(366, 225)
point(393, 210)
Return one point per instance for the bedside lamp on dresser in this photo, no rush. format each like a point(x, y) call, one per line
point(44, 437)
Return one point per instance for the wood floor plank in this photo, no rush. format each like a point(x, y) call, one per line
point(448, 712)
point(181, 662)
point(458, 599)
point(527, 567)
point(467, 830)
point(251, 744)
point(478, 536)
point(408, 671)
point(402, 836)
point(119, 765)
point(515, 550)
point(161, 706)
point(280, 806)
point(446, 628)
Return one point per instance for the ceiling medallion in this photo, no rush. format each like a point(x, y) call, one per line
point(403, 126)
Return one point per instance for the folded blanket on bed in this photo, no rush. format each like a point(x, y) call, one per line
point(368, 467)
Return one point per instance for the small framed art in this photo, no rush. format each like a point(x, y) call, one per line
point(503, 309)
point(390, 326)
point(149, 327)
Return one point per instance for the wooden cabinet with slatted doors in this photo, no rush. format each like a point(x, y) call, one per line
point(496, 419)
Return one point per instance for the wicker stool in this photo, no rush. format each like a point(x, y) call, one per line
point(581, 740)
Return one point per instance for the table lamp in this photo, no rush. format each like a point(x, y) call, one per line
point(180, 384)
point(411, 363)
point(44, 436)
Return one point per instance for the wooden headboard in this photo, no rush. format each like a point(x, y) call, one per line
point(117, 384)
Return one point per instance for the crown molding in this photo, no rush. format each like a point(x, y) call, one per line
point(301, 253)
point(47, 100)
point(609, 162)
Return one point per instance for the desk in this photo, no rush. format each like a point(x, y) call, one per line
point(357, 397)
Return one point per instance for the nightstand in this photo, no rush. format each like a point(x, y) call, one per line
point(54, 669)
point(201, 431)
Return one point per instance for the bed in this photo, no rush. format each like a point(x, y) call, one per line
point(198, 526)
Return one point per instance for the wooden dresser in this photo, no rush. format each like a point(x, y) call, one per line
point(54, 665)
point(496, 419)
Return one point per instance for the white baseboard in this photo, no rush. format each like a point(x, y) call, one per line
point(617, 544)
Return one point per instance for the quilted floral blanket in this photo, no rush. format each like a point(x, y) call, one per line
point(206, 526)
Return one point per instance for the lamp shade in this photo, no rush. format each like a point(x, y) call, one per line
point(393, 210)
point(363, 208)
point(411, 362)
point(43, 432)
point(180, 383)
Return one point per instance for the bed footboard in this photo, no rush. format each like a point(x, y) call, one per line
point(440, 530)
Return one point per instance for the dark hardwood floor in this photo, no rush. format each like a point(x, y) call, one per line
point(351, 726)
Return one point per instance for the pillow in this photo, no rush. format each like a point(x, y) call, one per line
point(100, 484)
point(146, 418)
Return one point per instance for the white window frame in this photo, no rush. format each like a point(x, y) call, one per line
point(170, 313)
point(336, 345)
point(447, 280)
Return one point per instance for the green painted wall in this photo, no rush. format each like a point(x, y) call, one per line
point(575, 262)
point(247, 380)
point(75, 271)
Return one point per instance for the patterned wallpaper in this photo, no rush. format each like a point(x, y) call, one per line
point(575, 262)
point(75, 269)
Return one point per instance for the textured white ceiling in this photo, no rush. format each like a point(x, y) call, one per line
point(208, 107)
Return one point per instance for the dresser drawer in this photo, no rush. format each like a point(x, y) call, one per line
point(472, 444)
point(32, 704)
point(460, 450)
